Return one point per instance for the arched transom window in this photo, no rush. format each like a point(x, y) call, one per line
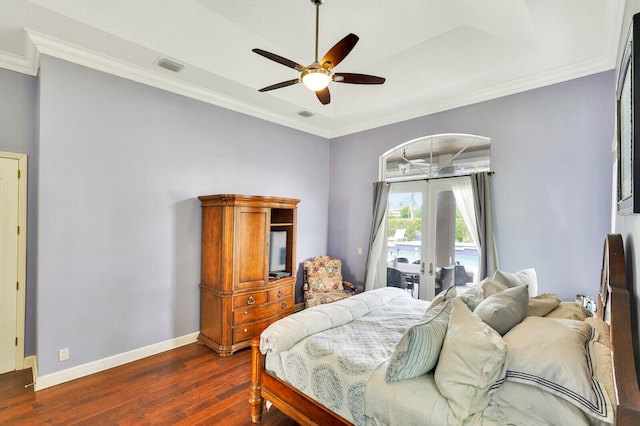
point(449, 154)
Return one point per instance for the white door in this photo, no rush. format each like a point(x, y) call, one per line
point(427, 212)
point(8, 263)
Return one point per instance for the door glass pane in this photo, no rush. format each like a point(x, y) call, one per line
point(466, 252)
point(428, 241)
point(404, 245)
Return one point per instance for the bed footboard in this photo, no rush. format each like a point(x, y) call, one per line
point(293, 403)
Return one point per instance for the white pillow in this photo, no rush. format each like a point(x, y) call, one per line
point(491, 287)
point(557, 356)
point(471, 363)
point(542, 304)
point(523, 277)
point(602, 328)
point(505, 309)
point(419, 348)
point(570, 310)
point(473, 296)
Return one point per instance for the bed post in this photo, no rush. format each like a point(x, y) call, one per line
point(255, 391)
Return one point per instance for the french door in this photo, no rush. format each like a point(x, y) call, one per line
point(429, 239)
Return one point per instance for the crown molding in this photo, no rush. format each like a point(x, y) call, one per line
point(26, 64)
point(37, 44)
point(508, 88)
point(47, 45)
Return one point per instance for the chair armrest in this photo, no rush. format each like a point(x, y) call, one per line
point(349, 286)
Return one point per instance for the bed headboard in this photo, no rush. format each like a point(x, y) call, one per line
point(614, 306)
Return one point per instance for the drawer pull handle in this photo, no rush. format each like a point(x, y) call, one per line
point(246, 312)
point(245, 330)
point(280, 294)
point(251, 300)
point(284, 305)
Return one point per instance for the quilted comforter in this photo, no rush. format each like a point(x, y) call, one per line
point(334, 366)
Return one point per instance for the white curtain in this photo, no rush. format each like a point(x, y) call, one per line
point(463, 193)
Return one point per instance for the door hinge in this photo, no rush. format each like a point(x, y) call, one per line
point(17, 285)
point(16, 341)
point(18, 173)
point(18, 230)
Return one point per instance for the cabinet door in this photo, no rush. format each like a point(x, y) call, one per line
point(251, 233)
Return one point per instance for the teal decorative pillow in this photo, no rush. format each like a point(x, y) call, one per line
point(418, 351)
point(504, 310)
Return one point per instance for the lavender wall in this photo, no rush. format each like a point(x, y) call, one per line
point(121, 165)
point(18, 134)
point(551, 151)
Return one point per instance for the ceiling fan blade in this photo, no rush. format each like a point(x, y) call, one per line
point(337, 53)
point(280, 85)
point(347, 77)
point(324, 96)
point(279, 59)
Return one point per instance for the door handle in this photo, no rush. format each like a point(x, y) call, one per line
point(430, 268)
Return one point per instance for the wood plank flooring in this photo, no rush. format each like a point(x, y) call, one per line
point(190, 385)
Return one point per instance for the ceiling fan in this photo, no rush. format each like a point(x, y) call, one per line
point(317, 76)
point(419, 163)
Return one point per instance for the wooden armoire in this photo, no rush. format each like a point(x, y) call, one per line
point(238, 298)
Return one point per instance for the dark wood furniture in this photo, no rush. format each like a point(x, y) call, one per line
point(614, 306)
point(237, 298)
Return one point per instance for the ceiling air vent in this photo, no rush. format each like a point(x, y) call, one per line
point(168, 64)
point(305, 114)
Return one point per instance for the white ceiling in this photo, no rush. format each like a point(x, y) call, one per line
point(435, 54)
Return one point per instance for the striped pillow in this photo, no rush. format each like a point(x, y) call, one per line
point(419, 348)
point(557, 356)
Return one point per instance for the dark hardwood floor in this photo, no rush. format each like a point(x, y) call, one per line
point(190, 385)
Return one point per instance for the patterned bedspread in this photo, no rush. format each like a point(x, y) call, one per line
point(335, 371)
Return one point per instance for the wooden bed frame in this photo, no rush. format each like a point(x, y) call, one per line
point(614, 305)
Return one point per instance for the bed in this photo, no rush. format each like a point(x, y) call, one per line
point(499, 374)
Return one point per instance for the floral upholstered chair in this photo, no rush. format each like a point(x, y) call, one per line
point(323, 281)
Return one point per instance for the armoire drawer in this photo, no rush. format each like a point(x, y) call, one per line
point(280, 292)
point(248, 300)
point(250, 314)
point(248, 331)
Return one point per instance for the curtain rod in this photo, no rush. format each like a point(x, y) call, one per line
point(490, 173)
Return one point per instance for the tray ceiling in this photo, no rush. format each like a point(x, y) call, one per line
point(435, 54)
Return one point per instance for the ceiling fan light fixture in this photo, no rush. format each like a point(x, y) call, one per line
point(316, 78)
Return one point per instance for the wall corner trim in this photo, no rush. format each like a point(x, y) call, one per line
point(76, 372)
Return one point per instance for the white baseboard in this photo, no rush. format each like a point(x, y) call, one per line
point(112, 361)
